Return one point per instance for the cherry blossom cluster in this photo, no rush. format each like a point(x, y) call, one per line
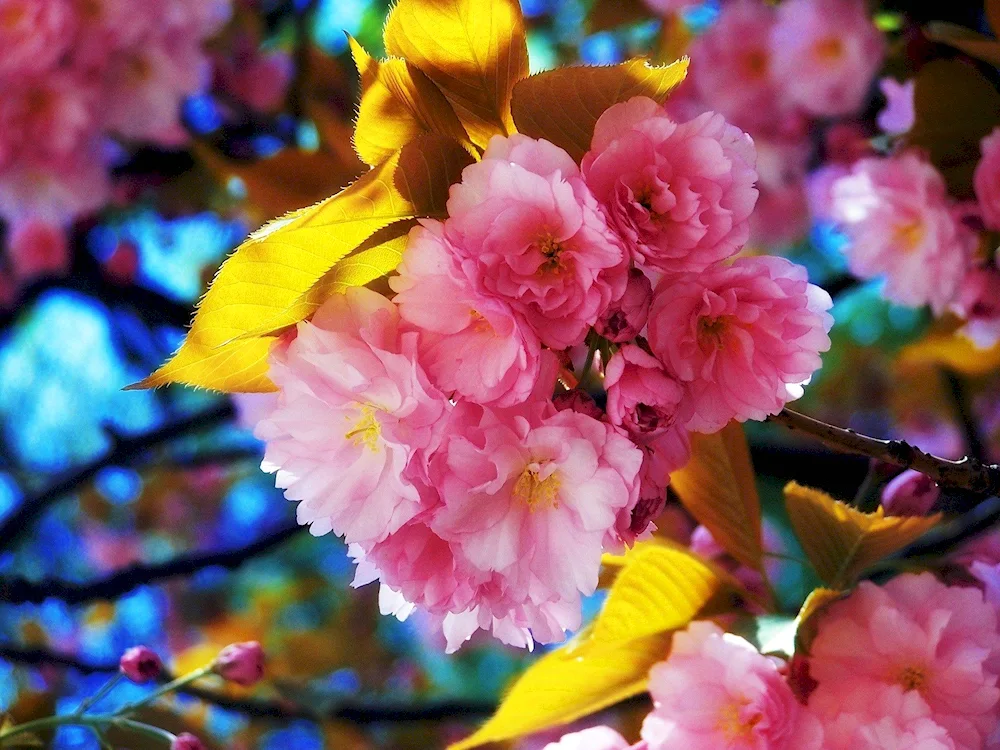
point(75, 74)
point(911, 664)
point(441, 432)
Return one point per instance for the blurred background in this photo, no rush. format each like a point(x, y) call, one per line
point(138, 147)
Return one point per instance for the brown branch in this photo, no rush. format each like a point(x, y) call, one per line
point(966, 473)
point(354, 711)
point(124, 450)
point(17, 590)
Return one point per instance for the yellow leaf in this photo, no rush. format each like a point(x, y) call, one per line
point(661, 587)
point(563, 105)
point(718, 488)
point(841, 542)
point(993, 15)
point(968, 41)
point(268, 273)
point(955, 107)
point(573, 681)
point(474, 50)
point(369, 261)
point(951, 350)
point(805, 623)
point(398, 103)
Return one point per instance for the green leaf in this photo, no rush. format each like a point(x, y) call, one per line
point(956, 106)
point(841, 541)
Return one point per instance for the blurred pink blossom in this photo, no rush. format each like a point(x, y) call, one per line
point(987, 179)
point(37, 248)
point(978, 302)
point(595, 738)
point(898, 115)
point(901, 225)
point(826, 53)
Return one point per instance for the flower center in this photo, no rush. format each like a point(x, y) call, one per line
point(912, 678)
point(479, 323)
point(711, 328)
point(12, 15)
point(755, 63)
point(552, 250)
point(649, 418)
point(366, 431)
point(829, 50)
point(732, 726)
point(909, 236)
point(537, 493)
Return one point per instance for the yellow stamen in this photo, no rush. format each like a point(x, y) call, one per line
point(731, 724)
point(537, 493)
point(552, 250)
point(909, 236)
point(366, 431)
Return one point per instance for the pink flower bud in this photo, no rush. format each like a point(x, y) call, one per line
point(910, 494)
point(624, 319)
point(186, 742)
point(140, 664)
point(642, 397)
point(242, 663)
point(577, 400)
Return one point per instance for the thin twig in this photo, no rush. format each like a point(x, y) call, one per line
point(123, 450)
point(966, 416)
point(966, 473)
point(354, 711)
point(17, 590)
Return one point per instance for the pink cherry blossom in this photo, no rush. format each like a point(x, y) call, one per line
point(661, 455)
point(910, 494)
point(716, 692)
point(978, 302)
point(528, 231)
point(731, 66)
point(149, 82)
point(987, 180)
point(530, 501)
point(253, 76)
point(935, 641)
point(48, 116)
point(595, 738)
point(54, 191)
point(33, 35)
point(900, 224)
point(471, 343)
point(888, 719)
point(826, 53)
point(355, 420)
point(743, 338)
point(37, 248)
point(680, 195)
point(899, 114)
point(642, 397)
point(626, 317)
